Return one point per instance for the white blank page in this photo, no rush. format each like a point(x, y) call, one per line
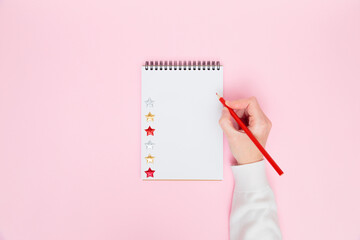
point(188, 141)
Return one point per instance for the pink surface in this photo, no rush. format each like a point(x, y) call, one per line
point(70, 115)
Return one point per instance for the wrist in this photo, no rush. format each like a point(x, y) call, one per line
point(243, 162)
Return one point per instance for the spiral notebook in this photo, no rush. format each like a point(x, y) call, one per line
point(180, 135)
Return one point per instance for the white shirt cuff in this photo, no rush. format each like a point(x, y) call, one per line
point(250, 177)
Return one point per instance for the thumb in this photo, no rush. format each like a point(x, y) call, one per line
point(226, 123)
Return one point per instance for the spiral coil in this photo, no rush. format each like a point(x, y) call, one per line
point(182, 65)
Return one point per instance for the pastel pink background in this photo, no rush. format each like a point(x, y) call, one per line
point(70, 115)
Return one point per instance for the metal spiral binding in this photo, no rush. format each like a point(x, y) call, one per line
point(182, 65)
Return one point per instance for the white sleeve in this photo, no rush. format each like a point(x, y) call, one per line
point(253, 212)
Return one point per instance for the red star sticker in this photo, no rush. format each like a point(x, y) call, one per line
point(150, 173)
point(149, 131)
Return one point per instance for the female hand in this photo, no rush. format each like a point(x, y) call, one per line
point(249, 111)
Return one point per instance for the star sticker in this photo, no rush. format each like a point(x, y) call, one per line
point(149, 173)
point(149, 117)
point(149, 145)
point(149, 158)
point(149, 131)
point(149, 102)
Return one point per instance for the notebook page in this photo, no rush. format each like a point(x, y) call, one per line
point(188, 141)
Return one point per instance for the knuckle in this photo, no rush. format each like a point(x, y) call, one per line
point(221, 122)
point(264, 126)
point(253, 99)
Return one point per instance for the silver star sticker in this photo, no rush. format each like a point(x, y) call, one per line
point(149, 145)
point(149, 102)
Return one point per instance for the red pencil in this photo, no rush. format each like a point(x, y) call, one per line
point(251, 136)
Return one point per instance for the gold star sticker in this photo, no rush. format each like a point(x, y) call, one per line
point(149, 117)
point(149, 158)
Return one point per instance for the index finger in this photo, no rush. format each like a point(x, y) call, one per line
point(250, 105)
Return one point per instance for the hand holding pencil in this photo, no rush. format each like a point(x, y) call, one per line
point(247, 145)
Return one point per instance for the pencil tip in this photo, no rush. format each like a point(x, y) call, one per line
point(218, 95)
